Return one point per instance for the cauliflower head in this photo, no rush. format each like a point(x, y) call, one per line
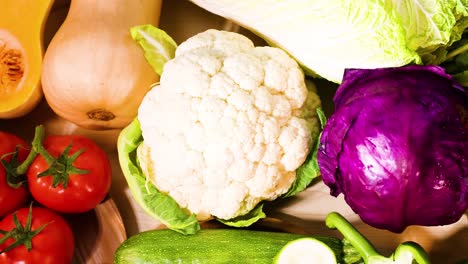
point(227, 126)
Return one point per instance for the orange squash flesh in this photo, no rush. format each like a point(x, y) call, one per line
point(21, 50)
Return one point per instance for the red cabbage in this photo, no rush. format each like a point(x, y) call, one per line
point(396, 146)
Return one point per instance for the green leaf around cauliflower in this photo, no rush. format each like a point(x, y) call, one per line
point(158, 205)
point(310, 170)
point(164, 208)
point(136, 163)
point(246, 220)
point(159, 47)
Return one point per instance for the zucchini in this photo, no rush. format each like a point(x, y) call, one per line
point(210, 246)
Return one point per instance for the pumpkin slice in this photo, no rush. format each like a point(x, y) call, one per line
point(21, 50)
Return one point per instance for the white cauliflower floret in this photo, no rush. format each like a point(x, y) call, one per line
point(227, 126)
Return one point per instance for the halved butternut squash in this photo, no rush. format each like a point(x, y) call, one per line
point(21, 52)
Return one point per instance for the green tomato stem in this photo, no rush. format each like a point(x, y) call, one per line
point(16, 171)
point(59, 168)
point(363, 246)
point(38, 147)
point(13, 179)
point(37, 141)
point(22, 235)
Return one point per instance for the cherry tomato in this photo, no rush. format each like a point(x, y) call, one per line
point(80, 178)
point(52, 241)
point(11, 198)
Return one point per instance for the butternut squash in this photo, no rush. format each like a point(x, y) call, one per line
point(21, 50)
point(94, 74)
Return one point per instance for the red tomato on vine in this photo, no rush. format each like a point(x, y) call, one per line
point(13, 194)
point(71, 174)
point(35, 235)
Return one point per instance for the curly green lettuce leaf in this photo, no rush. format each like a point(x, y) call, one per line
point(159, 47)
point(156, 204)
point(432, 26)
point(431, 23)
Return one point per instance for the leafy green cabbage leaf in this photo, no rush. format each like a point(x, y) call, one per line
point(432, 26)
point(328, 36)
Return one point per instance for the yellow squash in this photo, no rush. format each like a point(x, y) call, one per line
point(94, 74)
point(21, 50)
